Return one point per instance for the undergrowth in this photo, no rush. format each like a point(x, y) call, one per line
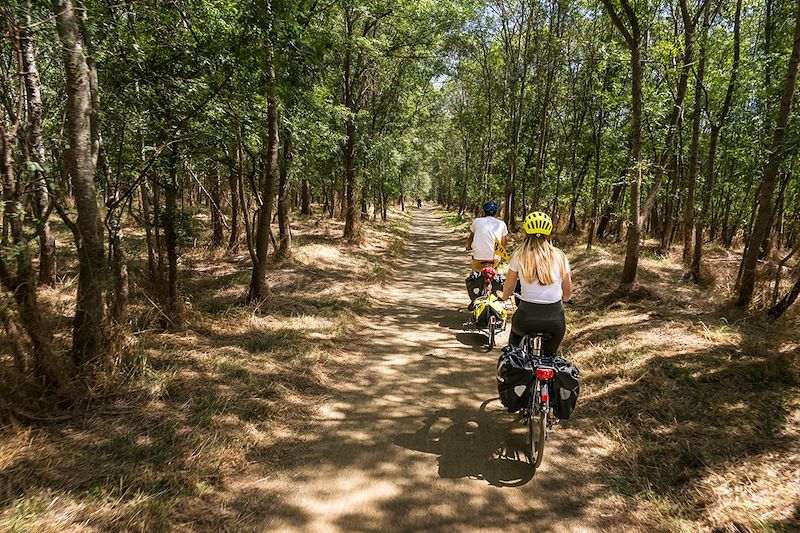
point(236, 385)
point(699, 402)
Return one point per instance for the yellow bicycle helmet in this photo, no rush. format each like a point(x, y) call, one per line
point(537, 223)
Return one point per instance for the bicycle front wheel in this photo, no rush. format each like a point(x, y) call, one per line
point(537, 426)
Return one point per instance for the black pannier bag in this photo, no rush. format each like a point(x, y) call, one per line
point(474, 283)
point(567, 388)
point(497, 283)
point(514, 378)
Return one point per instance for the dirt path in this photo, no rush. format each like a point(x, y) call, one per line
point(417, 441)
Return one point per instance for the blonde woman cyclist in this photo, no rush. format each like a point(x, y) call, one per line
point(544, 275)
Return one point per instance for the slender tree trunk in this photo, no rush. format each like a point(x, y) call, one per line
point(258, 283)
point(616, 194)
point(46, 368)
point(716, 129)
point(789, 298)
point(634, 41)
point(88, 342)
point(233, 187)
point(174, 307)
point(117, 294)
point(147, 220)
point(352, 222)
point(598, 143)
point(33, 85)
point(285, 231)
point(215, 192)
point(746, 286)
point(245, 206)
point(688, 217)
point(119, 273)
point(305, 198)
point(632, 247)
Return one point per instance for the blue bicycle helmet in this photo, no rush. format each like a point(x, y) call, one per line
point(491, 207)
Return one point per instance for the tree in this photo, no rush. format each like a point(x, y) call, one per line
point(633, 39)
point(89, 331)
point(744, 293)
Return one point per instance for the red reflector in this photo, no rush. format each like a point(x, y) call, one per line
point(545, 373)
point(545, 397)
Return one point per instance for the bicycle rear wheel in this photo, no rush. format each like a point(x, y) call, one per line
point(492, 329)
point(537, 426)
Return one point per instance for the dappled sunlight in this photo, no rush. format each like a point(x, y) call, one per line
point(355, 398)
point(238, 386)
point(416, 435)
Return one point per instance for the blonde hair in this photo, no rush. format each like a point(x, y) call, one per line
point(536, 258)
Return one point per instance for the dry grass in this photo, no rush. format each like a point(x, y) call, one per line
point(696, 406)
point(234, 387)
point(699, 403)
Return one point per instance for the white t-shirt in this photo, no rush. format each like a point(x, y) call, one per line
point(536, 293)
point(486, 230)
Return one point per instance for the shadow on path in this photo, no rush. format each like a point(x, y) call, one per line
point(410, 442)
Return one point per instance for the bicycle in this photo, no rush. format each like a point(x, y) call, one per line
point(538, 411)
point(488, 313)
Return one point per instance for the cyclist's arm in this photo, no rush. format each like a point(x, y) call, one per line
point(469, 240)
point(504, 240)
point(508, 286)
point(566, 287)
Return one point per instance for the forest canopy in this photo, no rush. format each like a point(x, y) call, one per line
point(672, 123)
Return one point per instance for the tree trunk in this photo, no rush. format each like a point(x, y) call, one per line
point(88, 342)
point(352, 222)
point(632, 248)
point(217, 239)
point(598, 140)
point(118, 291)
point(789, 298)
point(634, 41)
point(33, 85)
point(305, 199)
point(716, 129)
point(768, 179)
point(688, 217)
point(616, 193)
point(147, 221)
point(119, 273)
point(285, 231)
point(258, 282)
point(46, 368)
point(233, 187)
point(174, 307)
point(676, 118)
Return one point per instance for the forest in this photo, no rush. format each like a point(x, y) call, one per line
point(143, 144)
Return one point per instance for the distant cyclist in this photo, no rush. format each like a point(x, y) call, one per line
point(544, 275)
point(483, 233)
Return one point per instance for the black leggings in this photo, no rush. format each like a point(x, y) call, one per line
point(539, 318)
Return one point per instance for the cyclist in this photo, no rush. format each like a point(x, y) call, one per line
point(545, 282)
point(483, 233)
